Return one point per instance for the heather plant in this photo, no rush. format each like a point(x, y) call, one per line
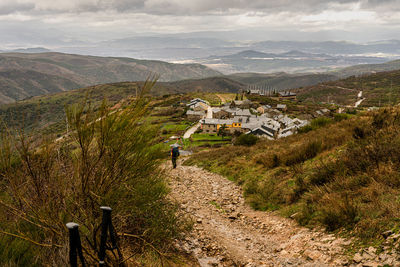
point(343, 175)
point(246, 140)
point(108, 158)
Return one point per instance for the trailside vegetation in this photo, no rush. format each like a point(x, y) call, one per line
point(108, 159)
point(343, 175)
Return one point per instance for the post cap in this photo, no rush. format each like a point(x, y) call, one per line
point(72, 225)
point(106, 208)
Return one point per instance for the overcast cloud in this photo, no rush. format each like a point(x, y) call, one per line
point(30, 21)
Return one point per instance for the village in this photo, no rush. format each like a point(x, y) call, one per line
point(244, 117)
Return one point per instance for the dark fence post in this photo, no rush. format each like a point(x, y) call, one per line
point(106, 221)
point(75, 246)
point(108, 228)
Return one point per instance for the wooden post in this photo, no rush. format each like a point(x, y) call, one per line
point(103, 239)
point(75, 246)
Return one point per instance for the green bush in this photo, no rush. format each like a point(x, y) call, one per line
point(246, 140)
point(320, 122)
point(340, 116)
point(315, 124)
point(107, 162)
point(306, 152)
point(305, 129)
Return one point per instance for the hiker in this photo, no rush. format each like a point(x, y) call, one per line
point(174, 154)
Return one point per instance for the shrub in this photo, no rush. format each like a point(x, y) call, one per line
point(275, 161)
point(359, 133)
point(109, 162)
point(315, 124)
point(246, 140)
point(305, 129)
point(340, 116)
point(336, 211)
point(306, 152)
point(320, 122)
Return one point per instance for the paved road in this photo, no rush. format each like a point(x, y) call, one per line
point(360, 99)
point(209, 113)
point(191, 131)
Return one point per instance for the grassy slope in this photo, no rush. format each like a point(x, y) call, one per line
point(213, 84)
point(368, 68)
point(282, 81)
point(335, 176)
point(382, 87)
point(64, 71)
point(48, 111)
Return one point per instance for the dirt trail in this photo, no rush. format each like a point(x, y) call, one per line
point(228, 232)
point(223, 99)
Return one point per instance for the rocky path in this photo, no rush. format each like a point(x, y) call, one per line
point(227, 232)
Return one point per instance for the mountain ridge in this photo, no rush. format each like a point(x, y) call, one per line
point(68, 71)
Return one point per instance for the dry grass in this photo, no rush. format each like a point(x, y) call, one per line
point(103, 162)
point(344, 176)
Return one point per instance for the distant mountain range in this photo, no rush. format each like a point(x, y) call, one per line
point(24, 75)
point(193, 46)
point(231, 55)
point(28, 50)
point(293, 61)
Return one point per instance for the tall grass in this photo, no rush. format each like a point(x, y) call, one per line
point(343, 175)
point(107, 159)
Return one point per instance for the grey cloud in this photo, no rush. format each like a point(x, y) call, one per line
point(225, 7)
point(11, 7)
point(191, 7)
point(184, 7)
point(381, 5)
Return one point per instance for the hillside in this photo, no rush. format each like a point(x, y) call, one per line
point(19, 84)
point(293, 61)
point(47, 111)
point(379, 89)
point(282, 81)
point(341, 176)
point(213, 84)
point(25, 75)
point(368, 68)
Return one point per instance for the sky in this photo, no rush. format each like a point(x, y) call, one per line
point(25, 23)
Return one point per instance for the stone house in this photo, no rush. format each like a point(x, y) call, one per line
point(195, 115)
point(200, 106)
point(221, 114)
point(281, 107)
point(263, 109)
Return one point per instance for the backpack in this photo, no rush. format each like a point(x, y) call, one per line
point(175, 152)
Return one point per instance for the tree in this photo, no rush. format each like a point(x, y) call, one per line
point(222, 131)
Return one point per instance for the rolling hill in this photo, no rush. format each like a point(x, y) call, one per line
point(23, 75)
point(285, 81)
point(47, 111)
point(368, 68)
point(213, 84)
point(293, 61)
point(282, 80)
point(379, 89)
